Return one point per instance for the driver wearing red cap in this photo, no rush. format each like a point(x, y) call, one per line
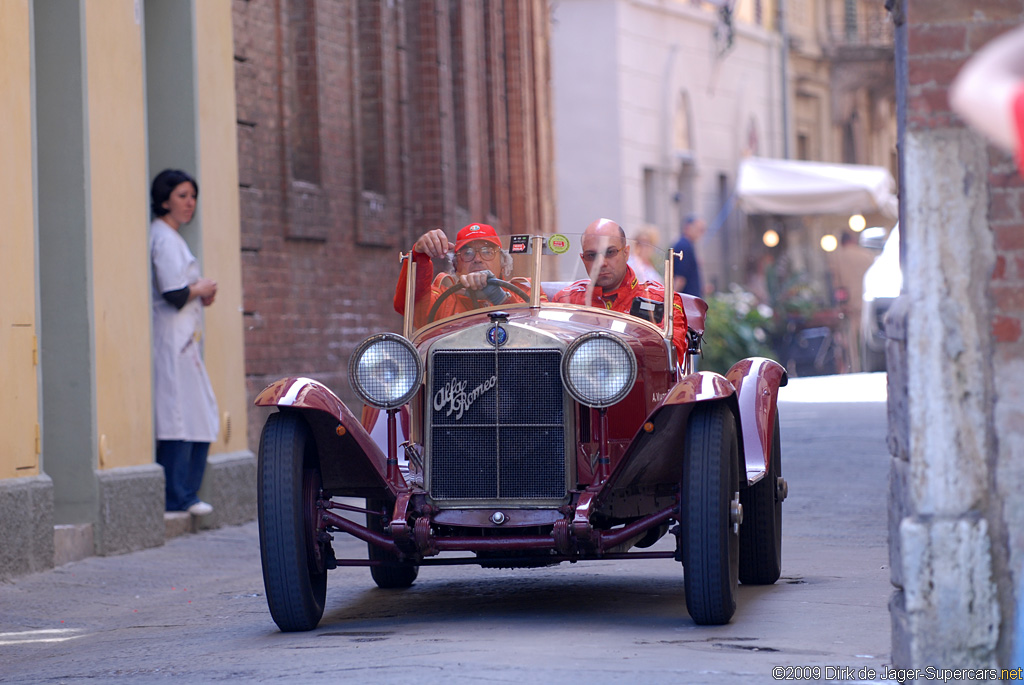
point(478, 256)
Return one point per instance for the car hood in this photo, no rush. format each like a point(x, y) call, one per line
point(561, 322)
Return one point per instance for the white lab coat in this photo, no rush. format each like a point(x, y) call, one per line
point(184, 404)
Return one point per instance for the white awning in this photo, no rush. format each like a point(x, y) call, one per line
point(781, 186)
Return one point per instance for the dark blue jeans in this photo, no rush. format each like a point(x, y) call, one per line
point(184, 463)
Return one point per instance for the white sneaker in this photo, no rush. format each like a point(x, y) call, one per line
point(200, 509)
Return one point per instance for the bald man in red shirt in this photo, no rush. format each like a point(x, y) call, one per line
point(613, 284)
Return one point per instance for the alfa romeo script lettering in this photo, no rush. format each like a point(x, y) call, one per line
point(455, 396)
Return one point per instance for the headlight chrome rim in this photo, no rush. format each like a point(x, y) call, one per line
point(364, 378)
point(579, 390)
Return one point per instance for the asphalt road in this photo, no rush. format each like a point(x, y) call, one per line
point(193, 611)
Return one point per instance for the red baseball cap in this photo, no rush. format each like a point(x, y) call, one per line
point(475, 232)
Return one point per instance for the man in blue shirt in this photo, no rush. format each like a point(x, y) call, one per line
point(686, 271)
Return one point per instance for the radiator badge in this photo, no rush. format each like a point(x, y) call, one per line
point(454, 394)
point(496, 335)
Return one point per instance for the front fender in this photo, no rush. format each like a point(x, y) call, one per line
point(701, 386)
point(653, 457)
point(351, 462)
point(757, 381)
point(302, 393)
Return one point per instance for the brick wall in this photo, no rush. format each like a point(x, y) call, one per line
point(942, 35)
point(360, 125)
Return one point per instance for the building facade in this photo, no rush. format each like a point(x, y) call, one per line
point(843, 86)
point(841, 108)
point(98, 97)
point(361, 125)
point(655, 104)
point(356, 127)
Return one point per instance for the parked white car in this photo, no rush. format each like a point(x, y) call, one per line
point(882, 284)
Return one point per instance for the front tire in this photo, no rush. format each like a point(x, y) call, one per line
point(294, 568)
point(393, 575)
point(710, 545)
point(761, 532)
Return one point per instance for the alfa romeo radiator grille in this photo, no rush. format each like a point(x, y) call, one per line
point(496, 429)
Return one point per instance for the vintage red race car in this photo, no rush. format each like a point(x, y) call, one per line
point(525, 435)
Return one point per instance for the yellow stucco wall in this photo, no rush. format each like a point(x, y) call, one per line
point(117, 193)
point(19, 413)
point(218, 170)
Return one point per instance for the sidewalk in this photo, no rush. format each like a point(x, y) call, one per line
point(847, 387)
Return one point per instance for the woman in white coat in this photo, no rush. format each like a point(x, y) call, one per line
point(186, 417)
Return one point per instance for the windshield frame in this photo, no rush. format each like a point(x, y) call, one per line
point(541, 252)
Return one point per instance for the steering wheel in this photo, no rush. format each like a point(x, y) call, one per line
point(472, 294)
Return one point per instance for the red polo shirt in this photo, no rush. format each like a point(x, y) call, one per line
point(621, 299)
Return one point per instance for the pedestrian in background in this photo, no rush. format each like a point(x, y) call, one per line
point(641, 259)
point(848, 264)
point(686, 270)
point(186, 418)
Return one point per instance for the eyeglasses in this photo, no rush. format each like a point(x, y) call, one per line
point(468, 254)
point(610, 253)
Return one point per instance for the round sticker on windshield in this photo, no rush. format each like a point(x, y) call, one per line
point(558, 244)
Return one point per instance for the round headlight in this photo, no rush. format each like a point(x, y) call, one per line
point(385, 371)
point(598, 369)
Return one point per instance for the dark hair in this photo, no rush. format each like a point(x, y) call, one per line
point(165, 183)
point(690, 218)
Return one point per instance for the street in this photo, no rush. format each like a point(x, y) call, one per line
point(193, 610)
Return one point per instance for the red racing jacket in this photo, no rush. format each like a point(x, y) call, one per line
point(621, 299)
point(429, 288)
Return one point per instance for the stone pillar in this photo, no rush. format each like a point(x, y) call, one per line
point(945, 611)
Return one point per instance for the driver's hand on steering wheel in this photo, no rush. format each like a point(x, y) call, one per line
point(476, 280)
point(433, 244)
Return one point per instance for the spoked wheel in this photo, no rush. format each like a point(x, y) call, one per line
point(710, 514)
point(761, 532)
point(294, 561)
point(393, 574)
